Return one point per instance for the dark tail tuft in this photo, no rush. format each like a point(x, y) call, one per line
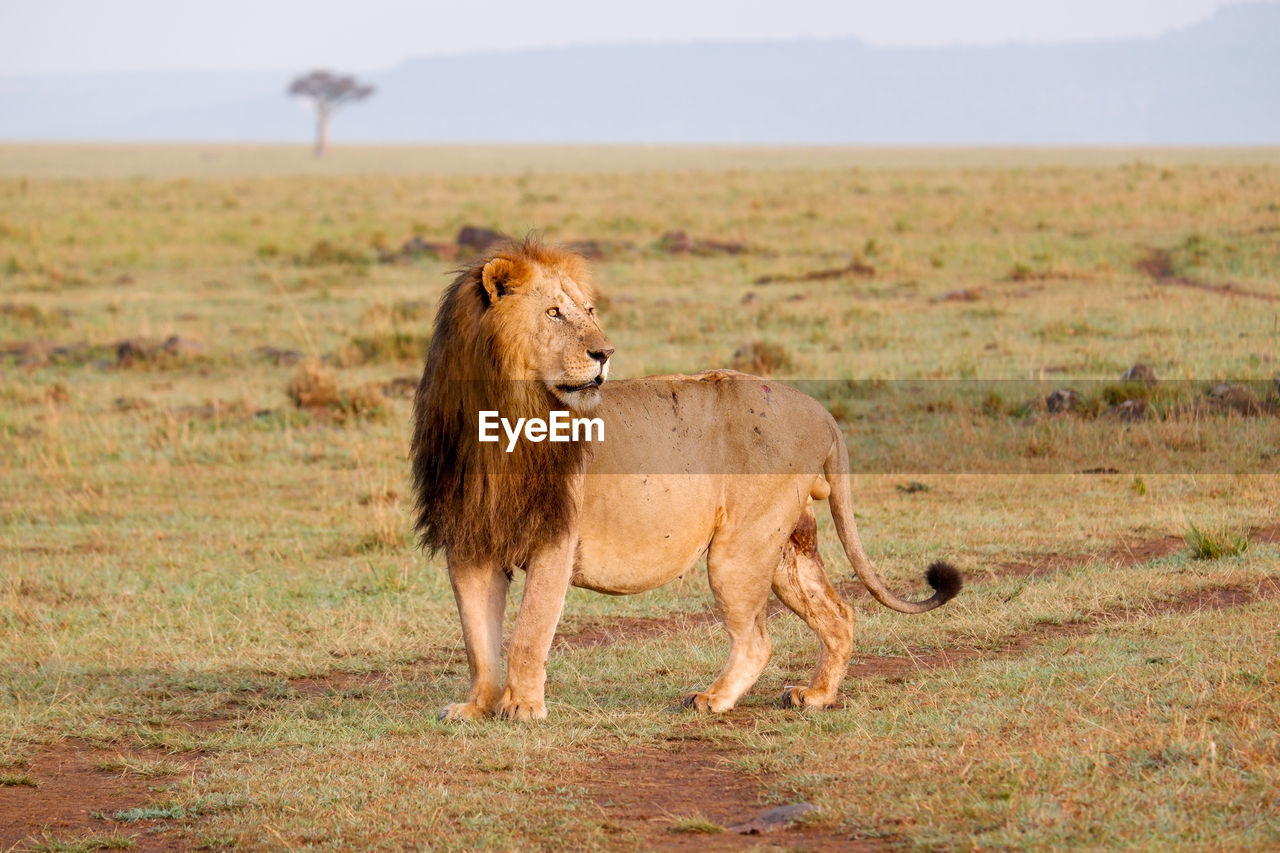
point(945, 579)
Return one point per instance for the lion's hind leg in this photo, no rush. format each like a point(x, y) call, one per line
point(741, 590)
point(800, 582)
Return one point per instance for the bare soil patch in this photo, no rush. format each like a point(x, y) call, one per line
point(1158, 264)
point(854, 269)
point(73, 791)
point(628, 628)
point(644, 793)
point(1123, 555)
point(342, 683)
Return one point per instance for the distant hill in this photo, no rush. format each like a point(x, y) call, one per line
point(1217, 82)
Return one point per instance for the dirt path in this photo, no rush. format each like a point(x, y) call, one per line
point(1159, 265)
point(643, 793)
point(76, 798)
point(1123, 555)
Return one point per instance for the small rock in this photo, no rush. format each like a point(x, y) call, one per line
point(474, 239)
point(964, 294)
point(183, 347)
point(134, 351)
point(1236, 398)
point(1130, 410)
point(1063, 400)
point(416, 247)
point(675, 242)
point(1139, 373)
point(774, 819)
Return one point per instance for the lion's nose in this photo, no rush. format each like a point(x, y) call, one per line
point(601, 355)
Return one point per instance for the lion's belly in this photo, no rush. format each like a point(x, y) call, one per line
point(639, 532)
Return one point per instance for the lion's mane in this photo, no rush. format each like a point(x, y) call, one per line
point(475, 500)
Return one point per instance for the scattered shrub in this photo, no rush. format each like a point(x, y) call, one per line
point(383, 347)
point(763, 358)
point(25, 314)
point(315, 387)
point(324, 253)
point(1212, 544)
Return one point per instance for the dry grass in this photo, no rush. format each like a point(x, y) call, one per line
point(209, 556)
point(123, 161)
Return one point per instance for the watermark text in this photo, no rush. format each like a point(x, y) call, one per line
point(559, 426)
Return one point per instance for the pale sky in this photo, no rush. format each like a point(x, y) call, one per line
point(369, 35)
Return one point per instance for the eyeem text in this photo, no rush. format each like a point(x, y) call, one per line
point(560, 426)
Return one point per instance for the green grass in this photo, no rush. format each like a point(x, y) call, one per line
point(151, 813)
point(1214, 544)
point(17, 780)
point(83, 845)
point(193, 563)
point(695, 825)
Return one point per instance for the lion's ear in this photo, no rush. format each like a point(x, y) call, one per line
point(499, 277)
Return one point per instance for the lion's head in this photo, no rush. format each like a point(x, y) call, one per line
point(538, 307)
point(515, 332)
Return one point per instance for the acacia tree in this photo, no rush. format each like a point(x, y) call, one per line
point(327, 92)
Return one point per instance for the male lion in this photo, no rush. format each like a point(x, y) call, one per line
point(720, 463)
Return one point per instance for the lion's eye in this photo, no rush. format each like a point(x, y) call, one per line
point(553, 313)
point(591, 309)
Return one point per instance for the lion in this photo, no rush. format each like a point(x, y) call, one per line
point(719, 463)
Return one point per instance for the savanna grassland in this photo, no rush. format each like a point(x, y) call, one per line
point(215, 630)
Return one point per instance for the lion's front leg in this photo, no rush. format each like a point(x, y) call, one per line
point(546, 584)
point(481, 594)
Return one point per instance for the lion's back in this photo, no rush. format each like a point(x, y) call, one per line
point(717, 422)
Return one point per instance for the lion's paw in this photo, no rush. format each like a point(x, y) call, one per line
point(521, 710)
point(459, 711)
point(804, 697)
point(705, 703)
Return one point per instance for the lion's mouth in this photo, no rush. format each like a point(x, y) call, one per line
point(585, 386)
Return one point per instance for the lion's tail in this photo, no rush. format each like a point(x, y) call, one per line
point(943, 577)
